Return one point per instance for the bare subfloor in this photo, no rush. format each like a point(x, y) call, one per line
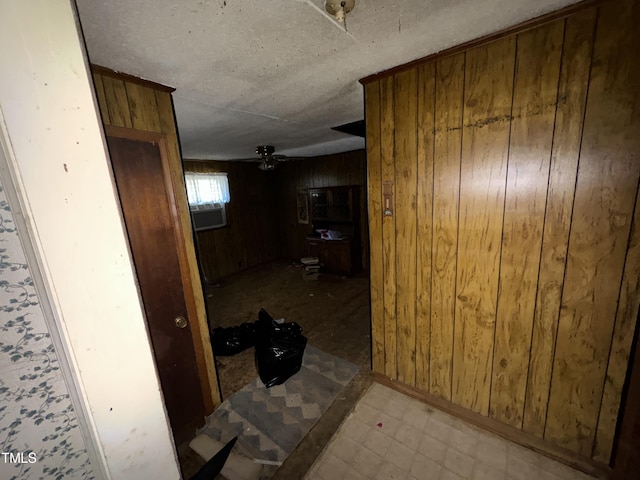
point(332, 311)
point(334, 315)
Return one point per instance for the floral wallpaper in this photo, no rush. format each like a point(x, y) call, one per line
point(39, 433)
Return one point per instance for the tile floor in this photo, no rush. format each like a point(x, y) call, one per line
point(392, 436)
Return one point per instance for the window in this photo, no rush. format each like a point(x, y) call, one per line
point(205, 189)
point(208, 194)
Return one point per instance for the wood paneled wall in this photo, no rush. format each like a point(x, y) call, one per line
point(129, 102)
point(251, 237)
point(324, 171)
point(507, 280)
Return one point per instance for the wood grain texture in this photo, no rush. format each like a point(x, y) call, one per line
point(424, 225)
point(487, 109)
point(446, 190)
point(144, 189)
point(102, 100)
point(534, 107)
point(143, 108)
point(604, 201)
point(374, 182)
point(406, 169)
point(117, 104)
point(629, 300)
point(337, 170)
point(387, 151)
point(626, 463)
point(572, 94)
point(188, 263)
point(623, 335)
point(534, 262)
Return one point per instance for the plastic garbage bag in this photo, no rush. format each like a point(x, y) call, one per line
point(232, 340)
point(279, 349)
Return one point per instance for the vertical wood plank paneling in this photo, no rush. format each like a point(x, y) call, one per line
point(621, 344)
point(387, 152)
point(117, 103)
point(424, 226)
point(630, 291)
point(405, 120)
point(225, 251)
point(487, 110)
point(348, 169)
point(143, 108)
point(374, 166)
point(527, 294)
point(102, 100)
point(360, 178)
point(572, 94)
point(446, 195)
point(604, 200)
point(534, 107)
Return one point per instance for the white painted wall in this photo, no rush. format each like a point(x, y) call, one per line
point(60, 167)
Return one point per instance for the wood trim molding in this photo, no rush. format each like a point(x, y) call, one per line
point(135, 134)
point(536, 444)
point(200, 336)
point(513, 30)
point(130, 78)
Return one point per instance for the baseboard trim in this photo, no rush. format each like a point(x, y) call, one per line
point(528, 440)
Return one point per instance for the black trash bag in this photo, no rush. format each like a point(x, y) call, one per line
point(279, 349)
point(232, 340)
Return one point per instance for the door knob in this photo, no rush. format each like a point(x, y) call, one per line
point(181, 322)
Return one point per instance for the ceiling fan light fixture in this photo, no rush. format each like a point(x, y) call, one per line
point(267, 165)
point(339, 8)
point(265, 150)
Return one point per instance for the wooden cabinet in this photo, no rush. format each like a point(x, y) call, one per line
point(335, 255)
point(336, 208)
point(333, 204)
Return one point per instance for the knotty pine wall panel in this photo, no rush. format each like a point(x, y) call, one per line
point(488, 91)
point(374, 195)
point(599, 240)
point(424, 220)
point(525, 238)
point(569, 115)
point(405, 121)
point(449, 82)
point(533, 113)
point(387, 142)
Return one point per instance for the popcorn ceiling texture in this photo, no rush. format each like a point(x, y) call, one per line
point(250, 72)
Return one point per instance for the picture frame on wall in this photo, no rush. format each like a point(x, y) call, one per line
point(302, 201)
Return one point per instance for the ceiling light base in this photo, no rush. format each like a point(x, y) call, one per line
point(265, 150)
point(339, 8)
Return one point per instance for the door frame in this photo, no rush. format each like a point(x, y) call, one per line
point(199, 336)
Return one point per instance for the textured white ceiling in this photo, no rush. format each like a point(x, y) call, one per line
point(250, 72)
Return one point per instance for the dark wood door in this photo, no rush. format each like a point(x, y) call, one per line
point(626, 464)
point(151, 227)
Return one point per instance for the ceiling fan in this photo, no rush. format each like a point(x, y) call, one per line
point(269, 161)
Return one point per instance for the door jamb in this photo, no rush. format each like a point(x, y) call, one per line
point(198, 337)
